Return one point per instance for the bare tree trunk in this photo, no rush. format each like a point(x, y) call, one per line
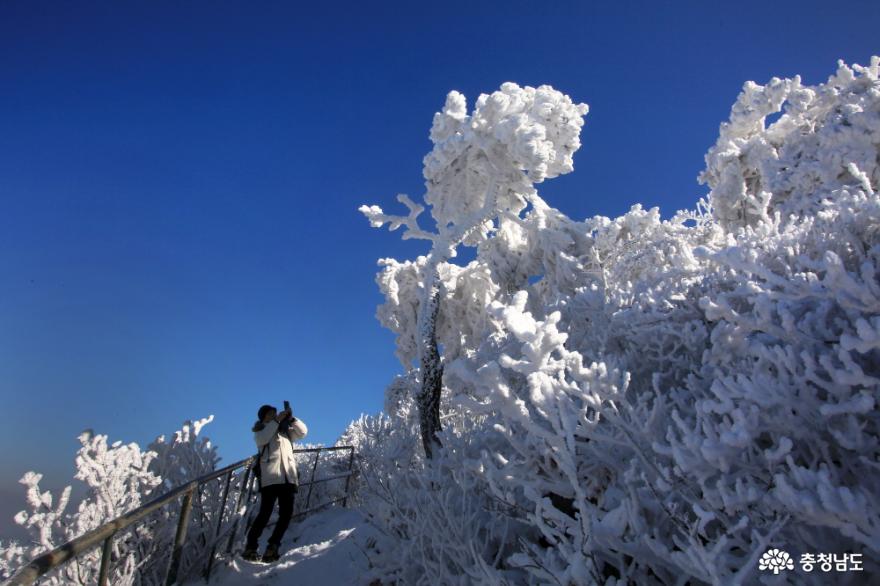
point(429, 358)
point(431, 370)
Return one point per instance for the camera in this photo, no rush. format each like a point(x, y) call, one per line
point(284, 426)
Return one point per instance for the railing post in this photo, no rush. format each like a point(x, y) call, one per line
point(180, 538)
point(312, 481)
point(348, 480)
point(105, 561)
point(219, 524)
point(242, 489)
point(249, 497)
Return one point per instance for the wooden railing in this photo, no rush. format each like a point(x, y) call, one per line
point(105, 534)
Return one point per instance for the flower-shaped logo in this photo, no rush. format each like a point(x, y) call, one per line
point(776, 560)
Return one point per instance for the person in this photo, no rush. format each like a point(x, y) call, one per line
point(273, 434)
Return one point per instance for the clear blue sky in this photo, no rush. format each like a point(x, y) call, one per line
point(179, 183)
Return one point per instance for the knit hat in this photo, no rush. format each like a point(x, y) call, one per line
point(261, 413)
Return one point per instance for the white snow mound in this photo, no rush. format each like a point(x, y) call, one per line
point(326, 548)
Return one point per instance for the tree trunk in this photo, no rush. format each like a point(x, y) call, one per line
point(431, 370)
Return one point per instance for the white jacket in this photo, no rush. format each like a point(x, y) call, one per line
point(277, 464)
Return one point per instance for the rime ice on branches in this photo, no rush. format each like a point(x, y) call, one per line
point(639, 399)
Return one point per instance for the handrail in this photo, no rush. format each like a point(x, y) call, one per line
point(105, 533)
point(86, 541)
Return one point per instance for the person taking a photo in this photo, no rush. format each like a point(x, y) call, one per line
point(274, 433)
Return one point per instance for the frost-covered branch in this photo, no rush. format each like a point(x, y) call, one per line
point(653, 401)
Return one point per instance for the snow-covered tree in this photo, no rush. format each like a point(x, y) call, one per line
point(187, 455)
point(640, 400)
point(481, 169)
point(119, 478)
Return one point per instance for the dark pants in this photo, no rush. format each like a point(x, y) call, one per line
point(284, 494)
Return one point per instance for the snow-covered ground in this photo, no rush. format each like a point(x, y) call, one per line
point(326, 548)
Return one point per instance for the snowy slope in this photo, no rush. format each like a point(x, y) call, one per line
point(326, 548)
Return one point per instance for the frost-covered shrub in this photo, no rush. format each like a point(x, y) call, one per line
point(187, 455)
point(11, 554)
point(824, 140)
point(428, 509)
point(119, 478)
point(385, 446)
point(649, 400)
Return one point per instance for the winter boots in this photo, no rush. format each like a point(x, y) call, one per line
point(250, 554)
point(271, 554)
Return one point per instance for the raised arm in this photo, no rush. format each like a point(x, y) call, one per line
point(298, 430)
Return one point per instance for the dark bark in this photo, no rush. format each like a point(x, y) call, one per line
point(432, 378)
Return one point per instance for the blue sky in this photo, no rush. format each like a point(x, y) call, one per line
point(179, 183)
